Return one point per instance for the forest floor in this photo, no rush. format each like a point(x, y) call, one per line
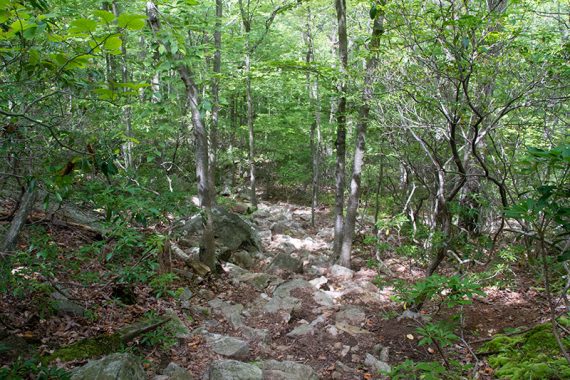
point(325, 317)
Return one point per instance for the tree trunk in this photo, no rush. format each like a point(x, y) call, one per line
point(251, 139)
point(217, 67)
point(128, 145)
point(340, 143)
point(358, 163)
point(205, 188)
point(315, 137)
point(26, 207)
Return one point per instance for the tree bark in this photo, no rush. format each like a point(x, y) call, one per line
point(217, 67)
point(358, 162)
point(340, 143)
point(20, 217)
point(315, 134)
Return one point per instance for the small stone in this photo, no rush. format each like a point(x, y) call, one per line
point(319, 281)
point(332, 330)
point(345, 350)
point(340, 272)
point(382, 352)
point(232, 370)
point(174, 372)
point(301, 330)
point(375, 364)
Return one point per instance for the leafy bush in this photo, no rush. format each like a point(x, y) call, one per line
point(25, 369)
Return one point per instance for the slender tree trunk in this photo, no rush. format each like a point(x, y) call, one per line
point(358, 162)
point(251, 138)
point(341, 128)
point(217, 66)
point(205, 188)
point(313, 89)
point(128, 145)
point(26, 206)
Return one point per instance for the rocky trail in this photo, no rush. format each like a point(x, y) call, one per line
point(288, 312)
point(281, 309)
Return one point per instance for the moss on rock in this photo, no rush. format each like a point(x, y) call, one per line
point(531, 355)
point(87, 348)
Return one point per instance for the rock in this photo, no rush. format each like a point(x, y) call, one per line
point(185, 298)
point(234, 270)
point(344, 372)
point(232, 313)
point(332, 330)
point(199, 310)
point(231, 232)
point(64, 306)
point(301, 330)
point(352, 315)
point(174, 372)
point(341, 273)
point(323, 299)
point(261, 335)
point(375, 364)
point(381, 352)
point(243, 259)
point(287, 370)
point(319, 282)
point(113, 367)
point(284, 263)
point(260, 281)
point(232, 370)
point(228, 346)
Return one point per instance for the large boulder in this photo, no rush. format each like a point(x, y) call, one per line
point(231, 232)
point(113, 367)
point(232, 370)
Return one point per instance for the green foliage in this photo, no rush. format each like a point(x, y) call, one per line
point(452, 291)
point(410, 370)
point(530, 355)
point(162, 284)
point(439, 333)
point(25, 369)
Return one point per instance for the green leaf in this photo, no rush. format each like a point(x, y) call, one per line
point(106, 16)
point(373, 11)
point(131, 21)
point(83, 25)
point(113, 43)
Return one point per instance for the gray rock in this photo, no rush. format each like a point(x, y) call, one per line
point(232, 313)
point(231, 232)
point(319, 282)
point(375, 364)
point(352, 315)
point(381, 352)
point(228, 346)
point(113, 367)
point(285, 263)
point(260, 281)
point(174, 372)
point(232, 370)
point(323, 299)
point(243, 259)
point(301, 330)
point(287, 370)
point(64, 306)
point(341, 273)
point(261, 335)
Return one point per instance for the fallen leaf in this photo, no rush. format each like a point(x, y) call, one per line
point(431, 350)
